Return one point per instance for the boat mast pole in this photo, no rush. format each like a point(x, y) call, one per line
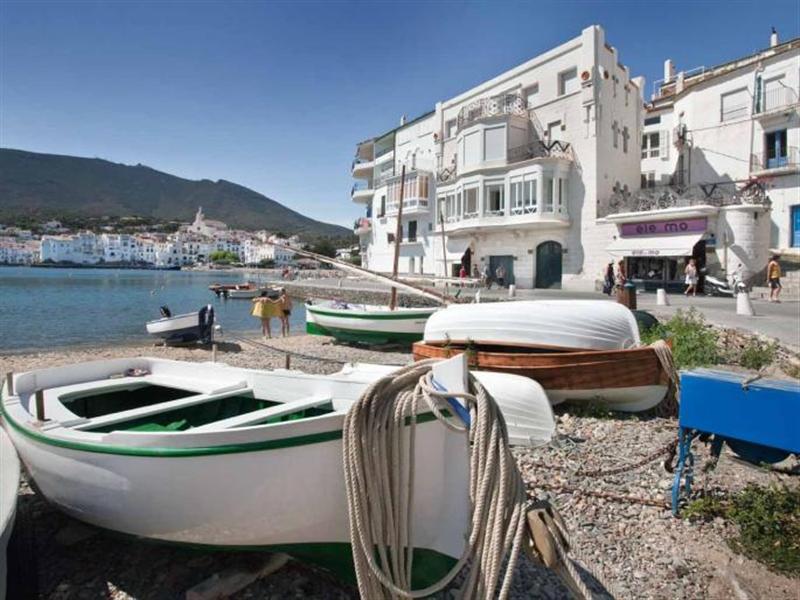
point(397, 236)
point(444, 254)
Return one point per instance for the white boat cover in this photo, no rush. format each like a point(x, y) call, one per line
point(577, 324)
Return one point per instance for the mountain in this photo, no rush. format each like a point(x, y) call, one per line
point(53, 186)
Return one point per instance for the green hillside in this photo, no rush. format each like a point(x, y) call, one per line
point(52, 186)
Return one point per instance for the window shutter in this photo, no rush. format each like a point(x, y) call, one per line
point(663, 150)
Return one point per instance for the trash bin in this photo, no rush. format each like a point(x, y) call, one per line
point(627, 295)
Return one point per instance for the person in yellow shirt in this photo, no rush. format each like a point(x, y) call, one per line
point(265, 308)
point(774, 279)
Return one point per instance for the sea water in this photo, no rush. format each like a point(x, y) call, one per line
point(50, 307)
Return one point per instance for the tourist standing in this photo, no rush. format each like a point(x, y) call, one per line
point(500, 274)
point(265, 308)
point(619, 275)
point(691, 278)
point(608, 279)
point(286, 311)
point(462, 274)
point(486, 278)
point(774, 278)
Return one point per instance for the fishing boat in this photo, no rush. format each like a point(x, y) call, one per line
point(365, 323)
point(581, 351)
point(9, 484)
point(222, 457)
point(252, 291)
point(182, 329)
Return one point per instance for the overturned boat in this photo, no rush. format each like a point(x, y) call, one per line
point(578, 350)
point(207, 454)
point(183, 329)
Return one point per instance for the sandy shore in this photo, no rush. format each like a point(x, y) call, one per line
point(637, 548)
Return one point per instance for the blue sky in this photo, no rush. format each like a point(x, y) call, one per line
point(274, 95)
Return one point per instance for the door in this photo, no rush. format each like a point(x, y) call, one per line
point(507, 261)
point(548, 265)
point(777, 155)
point(795, 241)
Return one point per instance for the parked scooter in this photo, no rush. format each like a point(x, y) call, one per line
point(715, 286)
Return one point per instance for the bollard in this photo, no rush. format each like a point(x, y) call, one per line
point(744, 306)
point(512, 290)
point(661, 297)
point(287, 361)
point(213, 353)
point(40, 405)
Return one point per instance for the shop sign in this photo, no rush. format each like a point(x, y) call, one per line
point(673, 227)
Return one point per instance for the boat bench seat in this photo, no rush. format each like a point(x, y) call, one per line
point(154, 409)
point(258, 416)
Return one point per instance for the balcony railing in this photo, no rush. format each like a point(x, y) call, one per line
point(719, 194)
point(360, 161)
point(775, 99)
point(764, 162)
point(484, 108)
point(537, 149)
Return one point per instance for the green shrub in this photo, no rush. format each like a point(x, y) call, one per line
point(694, 344)
point(757, 354)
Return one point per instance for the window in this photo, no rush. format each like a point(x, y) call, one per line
point(470, 203)
point(615, 133)
point(776, 151)
point(494, 197)
point(734, 105)
point(649, 179)
point(494, 143)
point(651, 145)
point(383, 206)
point(472, 149)
point(412, 231)
point(562, 194)
point(652, 120)
point(532, 94)
point(568, 81)
point(516, 196)
point(547, 191)
point(553, 131)
point(625, 136)
point(450, 129)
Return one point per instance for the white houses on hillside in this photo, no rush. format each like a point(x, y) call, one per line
point(517, 168)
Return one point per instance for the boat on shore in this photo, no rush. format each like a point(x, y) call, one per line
point(241, 290)
point(9, 485)
point(365, 323)
point(183, 329)
point(223, 457)
point(577, 350)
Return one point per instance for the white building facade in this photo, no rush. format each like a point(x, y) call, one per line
point(516, 171)
point(720, 170)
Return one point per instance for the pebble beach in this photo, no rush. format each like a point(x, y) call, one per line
point(622, 532)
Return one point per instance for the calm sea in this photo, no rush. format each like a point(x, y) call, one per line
point(45, 308)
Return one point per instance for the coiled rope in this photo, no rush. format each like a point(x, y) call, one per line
point(379, 474)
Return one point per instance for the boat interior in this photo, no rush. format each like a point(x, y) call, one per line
point(159, 396)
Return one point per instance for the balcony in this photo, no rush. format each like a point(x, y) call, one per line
point(773, 163)
point(362, 226)
point(416, 194)
point(362, 167)
point(775, 101)
point(493, 106)
point(361, 192)
point(508, 218)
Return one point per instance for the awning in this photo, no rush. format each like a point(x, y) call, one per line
point(662, 245)
point(455, 246)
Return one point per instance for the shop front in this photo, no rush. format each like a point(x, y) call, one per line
point(656, 252)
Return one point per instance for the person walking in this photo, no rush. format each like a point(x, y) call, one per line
point(286, 311)
point(774, 278)
point(462, 274)
point(500, 275)
point(691, 278)
point(608, 279)
point(486, 277)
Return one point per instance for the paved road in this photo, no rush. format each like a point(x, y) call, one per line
point(780, 321)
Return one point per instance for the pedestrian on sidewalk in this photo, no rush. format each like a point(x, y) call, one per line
point(462, 274)
point(774, 278)
point(500, 274)
point(691, 278)
point(608, 279)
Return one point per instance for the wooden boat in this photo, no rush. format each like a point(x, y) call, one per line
point(185, 328)
point(211, 455)
point(252, 291)
point(365, 323)
point(562, 324)
point(9, 484)
point(629, 380)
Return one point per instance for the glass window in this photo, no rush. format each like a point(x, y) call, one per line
point(652, 120)
point(776, 151)
point(494, 197)
point(412, 231)
point(568, 81)
point(470, 202)
point(515, 190)
point(450, 129)
point(530, 196)
point(532, 94)
point(651, 145)
point(547, 190)
point(494, 147)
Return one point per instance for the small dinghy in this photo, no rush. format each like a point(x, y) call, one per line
point(9, 484)
point(183, 329)
point(252, 291)
point(365, 323)
point(207, 454)
point(578, 350)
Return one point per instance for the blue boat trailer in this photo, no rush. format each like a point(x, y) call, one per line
point(759, 419)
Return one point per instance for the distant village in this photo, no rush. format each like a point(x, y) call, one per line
point(194, 243)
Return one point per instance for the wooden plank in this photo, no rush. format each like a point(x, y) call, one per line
point(263, 414)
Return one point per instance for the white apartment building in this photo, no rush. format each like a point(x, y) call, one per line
point(16, 251)
point(720, 170)
point(516, 171)
point(79, 248)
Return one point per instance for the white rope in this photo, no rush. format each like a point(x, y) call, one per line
point(379, 475)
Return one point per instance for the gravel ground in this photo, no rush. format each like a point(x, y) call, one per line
point(635, 550)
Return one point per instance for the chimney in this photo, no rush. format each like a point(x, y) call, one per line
point(773, 38)
point(403, 120)
point(669, 70)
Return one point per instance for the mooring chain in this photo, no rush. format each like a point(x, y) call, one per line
point(623, 498)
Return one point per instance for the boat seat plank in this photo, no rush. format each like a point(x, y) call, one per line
point(154, 409)
point(257, 416)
